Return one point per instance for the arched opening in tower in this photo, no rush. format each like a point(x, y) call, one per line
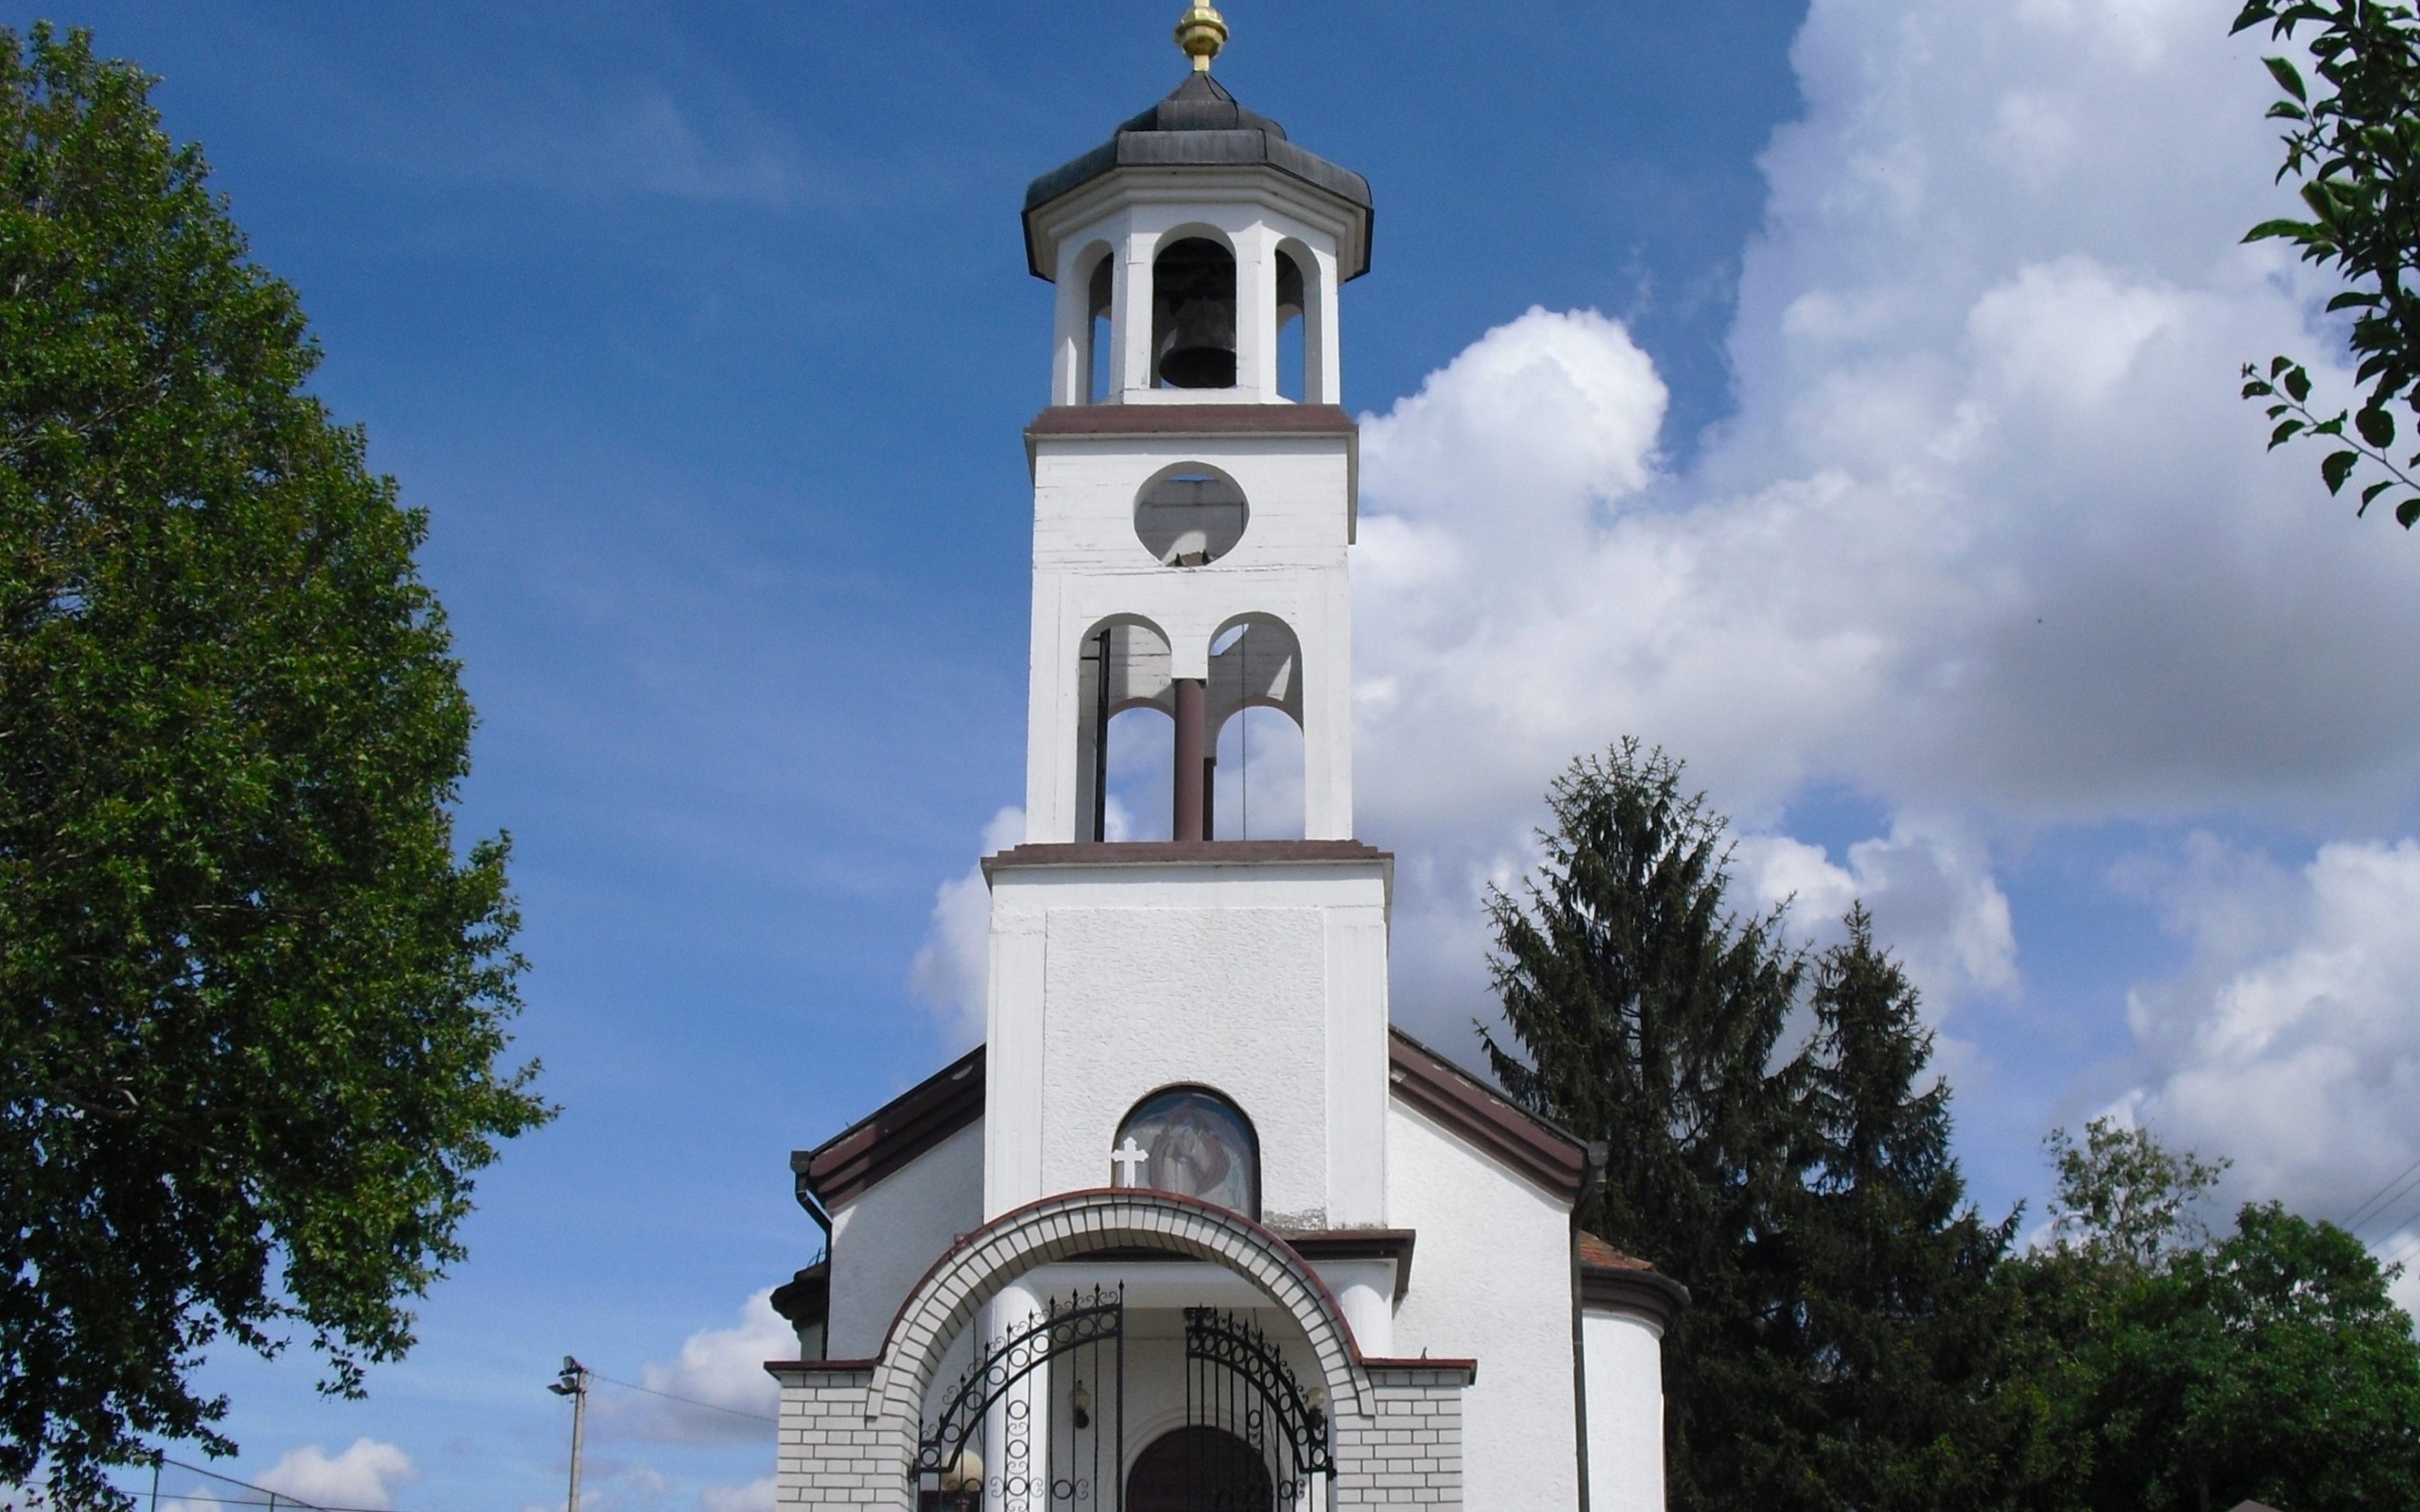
point(1193, 314)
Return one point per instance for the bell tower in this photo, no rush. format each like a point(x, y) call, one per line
point(1193, 504)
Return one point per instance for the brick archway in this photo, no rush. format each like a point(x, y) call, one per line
point(1069, 1227)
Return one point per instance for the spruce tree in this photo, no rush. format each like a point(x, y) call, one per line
point(1901, 1320)
point(1646, 1012)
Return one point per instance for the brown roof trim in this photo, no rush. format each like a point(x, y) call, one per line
point(805, 1300)
point(1191, 420)
point(1463, 1103)
point(839, 1170)
point(1359, 1244)
point(1640, 1292)
point(1184, 852)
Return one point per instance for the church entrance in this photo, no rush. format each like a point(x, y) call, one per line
point(1200, 1469)
point(1037, 1423)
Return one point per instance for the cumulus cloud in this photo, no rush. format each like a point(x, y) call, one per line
point(2292, 1042)
point(721, 1374)
point(1929, 886)
point(1990, 538)
point(952, 968)
point(365, 1475)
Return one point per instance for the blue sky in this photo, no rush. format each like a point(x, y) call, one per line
point(1841, 398)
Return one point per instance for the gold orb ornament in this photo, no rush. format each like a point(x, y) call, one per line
point(1201, 31)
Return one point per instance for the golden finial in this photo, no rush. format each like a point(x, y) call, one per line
point(1201, 31)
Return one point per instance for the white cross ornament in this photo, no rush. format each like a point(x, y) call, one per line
point(1129, 1157)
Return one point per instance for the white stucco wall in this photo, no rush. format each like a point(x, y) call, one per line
point(1265, 980)
point(883, 1242)
point(1625, 1373)
point(1491, 1281)
point(1089, 565)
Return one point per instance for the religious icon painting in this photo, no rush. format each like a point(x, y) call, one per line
point(1192, 1143)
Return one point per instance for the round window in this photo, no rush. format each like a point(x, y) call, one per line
point(1190, 516)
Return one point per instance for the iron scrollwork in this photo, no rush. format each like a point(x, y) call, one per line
point(1065, 1326)
point(1238, 1348)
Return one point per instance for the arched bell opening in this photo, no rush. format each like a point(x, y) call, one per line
point(1190, 515)
point(1124, 731)
point(1292, 329)
point(1100, 289)
point(1256, 712)
point(1193, 314)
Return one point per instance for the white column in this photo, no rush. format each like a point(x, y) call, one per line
point(1070, 336)
point(1323, 365)
point(1016, 1427)
point(1624, 1369)
point(1256, 314)
point(1130, 304)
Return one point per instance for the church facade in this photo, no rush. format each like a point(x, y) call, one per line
point(1196, 1227)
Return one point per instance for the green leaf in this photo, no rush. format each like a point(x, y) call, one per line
point(2288, 78)
point(2290, 229)
point(2297, 384)
point(2377, 426)
point(2369, 495)
point(2283, 433)
point(2408, 511)
point(2337, 467)
point(2355, 298)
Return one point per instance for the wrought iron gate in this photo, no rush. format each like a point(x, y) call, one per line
point(1238, 1382)
point(970, 1454)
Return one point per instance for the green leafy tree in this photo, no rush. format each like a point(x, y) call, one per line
point(253, 1003)
point(1902, 1318)
point(1642, 1010)
point(2354, 146)
point(2178, 1373)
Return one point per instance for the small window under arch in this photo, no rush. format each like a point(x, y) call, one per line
point(1191, 1142)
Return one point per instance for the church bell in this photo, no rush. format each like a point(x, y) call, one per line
point(1193, 314)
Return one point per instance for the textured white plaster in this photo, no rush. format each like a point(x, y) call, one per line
point(1491, 1281)
point(883, 1242)
point(1624, 1359)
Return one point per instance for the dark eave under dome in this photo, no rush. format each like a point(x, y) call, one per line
point(1201, 126)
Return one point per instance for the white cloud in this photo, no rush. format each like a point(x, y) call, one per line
point(2291, 1043)
point(1991, 540)
point(1929, 886)
point(365, 1475)
point(720, 1373)
point(952, 968)
point(756, 1496)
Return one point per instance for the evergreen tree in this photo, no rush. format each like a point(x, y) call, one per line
point(1646, 1013)
point(1902, 1322)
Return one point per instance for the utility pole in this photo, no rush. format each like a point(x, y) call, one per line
point(573, 1383)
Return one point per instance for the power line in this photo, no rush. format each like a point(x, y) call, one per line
point(273, 1496)
point(2363, 1213)
point(668, 1395)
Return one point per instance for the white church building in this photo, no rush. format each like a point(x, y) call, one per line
point(1196, 1228)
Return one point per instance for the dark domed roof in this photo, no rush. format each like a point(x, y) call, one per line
point(1201, 126)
